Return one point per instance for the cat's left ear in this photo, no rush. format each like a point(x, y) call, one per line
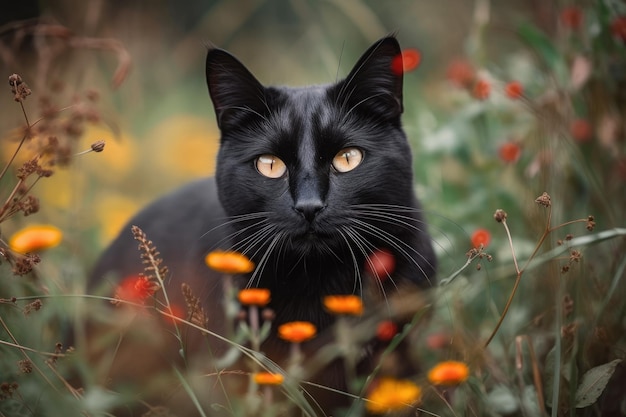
point(372, 84)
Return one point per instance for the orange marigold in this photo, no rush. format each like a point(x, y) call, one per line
point(481, 89)
point(481, 237)
point(514, 90)
point(448, 373)
point(344, 304)
point(254, 296)
point(35, 237)
point(229, 262)
point(407, 61)
point(268, 378)
point(390, 394)
point(297, 331)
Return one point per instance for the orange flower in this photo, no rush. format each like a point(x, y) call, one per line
point(581, 130)
point(136, 289)
point(618, 28)
point(510, 151)
point(481, 90)
point(297, 331)
point(35, 237)
point(406, 61)
point(572, 17)
point(481, 237)
point(386, 330)
point(254, 296)
point(514, 90)
point(344, 304)
point(390, 394)
point(229, 262)
point(268, 378)
point(448, 373)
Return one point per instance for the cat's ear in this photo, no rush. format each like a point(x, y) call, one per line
point(236, 95)
point(373, 85)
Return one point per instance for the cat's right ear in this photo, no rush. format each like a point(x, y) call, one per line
point(236, 95)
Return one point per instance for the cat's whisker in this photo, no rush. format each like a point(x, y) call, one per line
point(258, 272)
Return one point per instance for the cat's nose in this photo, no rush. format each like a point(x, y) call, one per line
point(309, 208)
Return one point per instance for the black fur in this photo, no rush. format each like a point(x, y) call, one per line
point(310, 231)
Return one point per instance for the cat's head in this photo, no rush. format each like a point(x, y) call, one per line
point(318, 168)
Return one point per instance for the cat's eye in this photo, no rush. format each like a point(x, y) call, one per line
point(347, 159)
point(270, 166)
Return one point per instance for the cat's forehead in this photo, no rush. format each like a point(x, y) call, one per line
point(306, 105)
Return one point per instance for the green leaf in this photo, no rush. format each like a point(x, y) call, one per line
point(593, 383)
point(540, 43)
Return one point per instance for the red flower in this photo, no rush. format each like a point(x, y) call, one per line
point(618, 28)
point(581, 130)
point(381, 263)
point(572, 17)
point(386, 330)
point(510, 152)
point(481, 90)
point(406, 61)
point(136, 289)
point(448, 373)
point(514, 90)
point(460, 72)
point(481, 237)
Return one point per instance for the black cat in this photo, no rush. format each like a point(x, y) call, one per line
point(310, 181)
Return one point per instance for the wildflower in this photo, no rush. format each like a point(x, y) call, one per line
point(460, 72)
point(481, 238)
point(391, 394)
point(481, 90)
point(297, 331)
point(514, 90)
point(135, 289)
point(254, 296)
point(499, 215)
point(448, 373)
point(406, 61)
point(34, 238)
point(344, 304)
point(268, 378)
point(510, 152)
point(581, 130)
point(438, 341)
point(618, 28)
point(386, 330)
point(544, 200)
point(572, 17)
point(229, 262)
point(381, 263)
point(19, 88)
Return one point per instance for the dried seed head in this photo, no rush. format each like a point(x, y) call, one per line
point(19, 88)
point(568, 305)
point(499, 215)
point(195, 312)
point(569, 236)
point(575, 256)
point(25, 366)
point(97, 146)
point(34, 306)
point(544, 200)
point(24, 264)
point(590, 223)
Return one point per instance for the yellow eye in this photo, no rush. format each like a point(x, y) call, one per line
point(347, 159)
point(270, 166)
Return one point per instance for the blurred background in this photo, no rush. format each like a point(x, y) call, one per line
point(510, 99)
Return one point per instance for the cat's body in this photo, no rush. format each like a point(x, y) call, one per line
point(310, 181)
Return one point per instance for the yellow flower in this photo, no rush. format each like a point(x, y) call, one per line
point(229, 262)
point(448, 373)
point(268, 378)
point(391, 394)
point(254, 296)
point(297, 331)
point(35, 237)
point(344, 304)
